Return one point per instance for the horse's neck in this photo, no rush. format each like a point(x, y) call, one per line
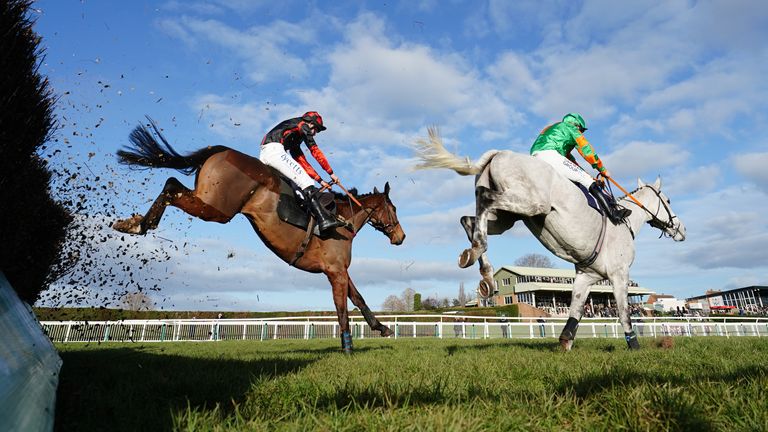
point(639, 217)
point(352, 212)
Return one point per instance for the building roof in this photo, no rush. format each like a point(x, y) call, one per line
point(540, 271)
point(521, 287)
point(711, 293)
point(536, 286)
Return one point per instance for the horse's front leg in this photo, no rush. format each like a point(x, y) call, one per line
point(578, 298)
point(370, 318)
point(340, 285)
point(620, 290)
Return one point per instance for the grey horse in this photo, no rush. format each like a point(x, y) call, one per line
point(511, 187)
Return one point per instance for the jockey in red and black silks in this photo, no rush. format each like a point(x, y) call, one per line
point(281, 149)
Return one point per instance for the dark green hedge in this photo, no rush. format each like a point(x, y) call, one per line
point(32, 224)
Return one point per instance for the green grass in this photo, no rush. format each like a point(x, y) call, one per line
point(701, 384)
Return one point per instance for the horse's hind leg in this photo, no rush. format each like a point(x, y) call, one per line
point(176, 194)
point(479, 239)
point(370, 318)
point(487, 285)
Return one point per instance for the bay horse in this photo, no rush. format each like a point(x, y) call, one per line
point(511, 187)
point(229, 182)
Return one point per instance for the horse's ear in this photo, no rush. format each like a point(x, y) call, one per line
point(376, 190)
point(640, 183)
point(657, 185)
point(386, 188)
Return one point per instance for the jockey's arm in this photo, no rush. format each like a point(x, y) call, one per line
point(299, 157)
point(320, 158)
point(588, 153)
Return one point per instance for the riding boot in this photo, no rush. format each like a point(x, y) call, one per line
point(614, 213)
point(324, 220)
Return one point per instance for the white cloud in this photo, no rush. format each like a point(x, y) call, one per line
point(754, 166)
point(264, 50)
point(699, 180)
point(639, 158)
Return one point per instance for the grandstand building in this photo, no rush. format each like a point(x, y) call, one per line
point(550, 289)
point(751, 299)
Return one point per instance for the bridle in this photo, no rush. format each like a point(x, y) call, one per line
point(657, 222)
point(386, 228)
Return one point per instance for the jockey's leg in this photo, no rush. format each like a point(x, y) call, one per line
point(274, 155)
point(578, 298)
point(370, 318)
point(614, 213)
point(620, 282)
point(325, 221)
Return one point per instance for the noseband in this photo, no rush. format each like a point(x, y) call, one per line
point(386, 228)
point(656, 222)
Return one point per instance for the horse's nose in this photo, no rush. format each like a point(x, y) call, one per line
point(398, 240)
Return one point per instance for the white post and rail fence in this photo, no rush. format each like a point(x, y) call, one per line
point(405, 326)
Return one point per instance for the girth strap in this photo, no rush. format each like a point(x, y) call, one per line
point(599, 246)
point(305, 242)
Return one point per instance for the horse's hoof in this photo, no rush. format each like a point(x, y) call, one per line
point(467, 258)
point(484, 289)
point(566, 345)
point(386, 331)
point(131, 225)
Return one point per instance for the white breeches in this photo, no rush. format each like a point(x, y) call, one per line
point(274, 155)
point(566, 168)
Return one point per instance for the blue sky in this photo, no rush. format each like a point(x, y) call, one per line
point(672, 88)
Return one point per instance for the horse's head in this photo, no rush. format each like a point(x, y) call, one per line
point(383, 216)
point(660, 212)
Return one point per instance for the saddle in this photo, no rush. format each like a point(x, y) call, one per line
point(591, 200)
point(292, 209)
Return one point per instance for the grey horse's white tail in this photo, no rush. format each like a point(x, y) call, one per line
point(432, 154)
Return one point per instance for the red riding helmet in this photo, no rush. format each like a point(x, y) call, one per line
point(314, 118)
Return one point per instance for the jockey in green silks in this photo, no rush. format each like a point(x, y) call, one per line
point(554, 145)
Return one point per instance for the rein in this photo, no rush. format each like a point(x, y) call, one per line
point(655, 221)
point(377, 225)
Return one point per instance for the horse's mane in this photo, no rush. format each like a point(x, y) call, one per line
point(338, 196)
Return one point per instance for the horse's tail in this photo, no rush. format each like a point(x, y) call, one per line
point(147, 152)
point(432, 154)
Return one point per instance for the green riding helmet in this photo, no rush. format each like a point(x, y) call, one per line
point(576, 120)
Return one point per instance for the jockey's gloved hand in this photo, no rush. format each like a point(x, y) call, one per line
point(605, 173)
point(335, 178)
point(325, 184)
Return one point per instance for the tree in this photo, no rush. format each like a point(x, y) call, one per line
point(534, 260)
point(407, 296)
point(393, 303)
point(462, 298)
point(403, 303)
point(136, 301)
point(417, 301)
point(32, 225)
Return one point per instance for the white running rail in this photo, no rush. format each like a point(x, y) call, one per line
point(404, 326)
